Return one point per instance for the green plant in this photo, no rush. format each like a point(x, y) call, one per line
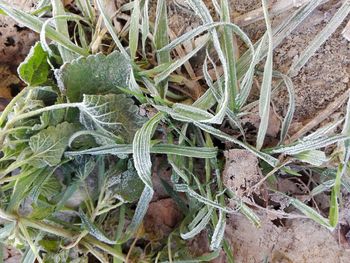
point(75, 133)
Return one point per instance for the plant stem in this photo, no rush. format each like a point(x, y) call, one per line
point(58, 231)
point(12, 103)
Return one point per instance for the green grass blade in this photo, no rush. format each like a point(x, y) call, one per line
point(314, 157)
point(62, 27)
point(186, 189)
point(302, 146)
point(247, 81)
point(161, 39)
point(311, 213)
point(142, 147)
point(229, 54)
point(134, 29)
point(140, 212)
point(87, 9)
point(334, 209)
point(180, 150)
point(265, 92)
point(145, 26)
point(219, 232)
point(202, 11)
point(203, 222)
point(219, 134)
point(291, 107)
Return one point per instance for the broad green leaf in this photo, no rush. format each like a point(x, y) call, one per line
point(23, 186)
point(111, 114)
point(50, 118)
point(95, 75)
point(49, 145)
point(126, 186)
point(50, 245)
point(34, 70)
point(41, 211)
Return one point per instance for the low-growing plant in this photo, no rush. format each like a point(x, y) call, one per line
point(77, 142)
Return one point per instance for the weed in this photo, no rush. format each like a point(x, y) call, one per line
point(76, 149)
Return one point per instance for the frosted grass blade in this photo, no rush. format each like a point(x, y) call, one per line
point(134, 29)
point(265, 92)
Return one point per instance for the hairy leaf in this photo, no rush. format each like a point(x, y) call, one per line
point(34, 69)
point(95, 74)
point(111, 114)
point(49, 145)
point(126, 186)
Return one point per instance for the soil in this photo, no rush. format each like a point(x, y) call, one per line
point(322, 80)
point(15, 43)
point(298, 241)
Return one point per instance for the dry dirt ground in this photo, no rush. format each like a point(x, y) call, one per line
point(319, 83)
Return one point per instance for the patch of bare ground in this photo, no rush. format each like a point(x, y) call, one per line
point(299, 240)
point(15, 43)
point(326, 75)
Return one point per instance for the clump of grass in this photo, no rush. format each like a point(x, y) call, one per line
point(76, 150)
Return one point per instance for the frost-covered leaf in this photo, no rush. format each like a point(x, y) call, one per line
point(95, 74)
point(126, 186)
point(6, 230)
point(111, 114)
point(311, 213)
point(93, 229)
point(35, 69)
point(48, 145)
point(314, 157)
point(50, 118)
